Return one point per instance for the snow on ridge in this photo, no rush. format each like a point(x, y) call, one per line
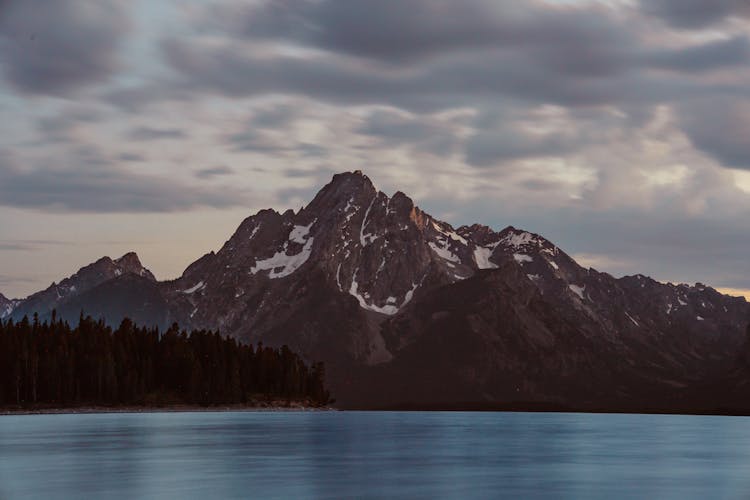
point(444, 252)
point(482, 258)
point(199, 286)
point(451, 234)
point(517, 240)
point(522, 257)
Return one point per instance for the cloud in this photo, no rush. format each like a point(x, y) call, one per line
point(426, 133)
point(695, 14)
point(88, 182)
point(131, 157)
point(211, 172)
point(719, 127)
point(251, 140)
point(6, 280)
point(61, 126)
point(403, 31)
point(154, 134)
point(731, 52)
point(57, 47)
point(277, 116)
point(395, 29)
point(573, 57)
point(28, 245)
point(490, 147)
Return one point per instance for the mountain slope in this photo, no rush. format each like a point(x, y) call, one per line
point(404, 308)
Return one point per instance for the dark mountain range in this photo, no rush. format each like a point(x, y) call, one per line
point(406, 309)
point(87, 278)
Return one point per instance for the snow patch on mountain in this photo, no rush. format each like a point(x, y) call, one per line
point(281, 264)
point(299, 234)
point(522, 257)
point(444, 252)
point(482, 258)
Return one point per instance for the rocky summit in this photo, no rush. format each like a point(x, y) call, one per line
point(406, 310)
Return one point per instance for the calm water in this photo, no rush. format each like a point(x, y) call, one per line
point(361, 455)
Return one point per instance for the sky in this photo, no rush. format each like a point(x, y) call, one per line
point(619, 130)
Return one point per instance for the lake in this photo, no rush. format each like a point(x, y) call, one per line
point(373, 455)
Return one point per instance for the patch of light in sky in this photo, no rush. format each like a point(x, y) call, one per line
point(735, 292)
point(742, 180)
point(666, 176)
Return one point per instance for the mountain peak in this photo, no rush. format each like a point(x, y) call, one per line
point(130, 259)
point(131, 264)
point(347, 186)
point(350, 180)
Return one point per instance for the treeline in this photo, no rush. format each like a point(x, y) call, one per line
point(53, 364)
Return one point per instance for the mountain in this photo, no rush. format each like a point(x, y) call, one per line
point(406, 309)
point(104, 270)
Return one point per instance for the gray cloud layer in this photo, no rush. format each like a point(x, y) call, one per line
point(97, 185)
point(693, 14)
point(55, 47)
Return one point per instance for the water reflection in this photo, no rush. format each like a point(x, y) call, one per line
point(371, 454)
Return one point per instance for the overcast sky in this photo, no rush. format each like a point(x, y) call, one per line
point(620, 130)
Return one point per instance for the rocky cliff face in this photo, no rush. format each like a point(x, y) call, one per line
point(353, 251)
point(405, 308)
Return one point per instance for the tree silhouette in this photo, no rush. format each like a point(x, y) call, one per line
point(54, 364)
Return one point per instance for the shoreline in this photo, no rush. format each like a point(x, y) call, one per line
point(280, 408)
point(92, 410)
